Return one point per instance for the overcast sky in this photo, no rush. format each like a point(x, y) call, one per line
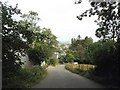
point(60, 17)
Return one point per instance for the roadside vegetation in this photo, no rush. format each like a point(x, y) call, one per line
point(101, 55)
point(85, 70)
point(26, 77)
point(23, 37)
point(105, 53)
point(81, 69)
point(53, 62)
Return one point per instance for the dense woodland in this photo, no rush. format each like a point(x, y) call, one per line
point(25, 36)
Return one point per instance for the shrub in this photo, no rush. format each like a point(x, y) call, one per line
point(52, 62)
point(26, 77)
point(36, 56)
point(105, 59)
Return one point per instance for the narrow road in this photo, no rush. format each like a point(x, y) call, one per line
point(59, 77)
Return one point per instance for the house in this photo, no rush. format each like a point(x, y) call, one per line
point(55, 55)
point(25, 60)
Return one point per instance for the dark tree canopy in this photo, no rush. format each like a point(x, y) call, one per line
point(13, 43)
point(108, 18)
point(106, 52)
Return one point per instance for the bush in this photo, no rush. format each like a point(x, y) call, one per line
point(52, 62)
point(105, 60)
point(107, 63)
point(36, 56)
point(26, 77)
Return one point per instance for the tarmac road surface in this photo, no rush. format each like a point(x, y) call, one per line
point(59, 77)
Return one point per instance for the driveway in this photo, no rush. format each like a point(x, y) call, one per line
point(59, 77)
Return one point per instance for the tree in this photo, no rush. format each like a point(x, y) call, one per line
point(117, 45)
point(35, 55)
point(69, 56)
point(108, 18)
point(80, 48)
point(32, 18)
point(45, 46)
point(13, 43)
point(109, 28)
point(45, 42)
point(49, 42)
point(104, 58)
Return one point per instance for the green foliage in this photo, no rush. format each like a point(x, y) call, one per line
point(106, 52)
point(80, 48)
point(69, 57)
point(17, 38)
point(13, 43)
point(52, 62)
point(62, 59)
point(31, 17)
point(44, 41)
point(26, 77)
point(108, 18)
point(48, 42)
point(36, 56)
point(45, 46)
point(104, 57)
